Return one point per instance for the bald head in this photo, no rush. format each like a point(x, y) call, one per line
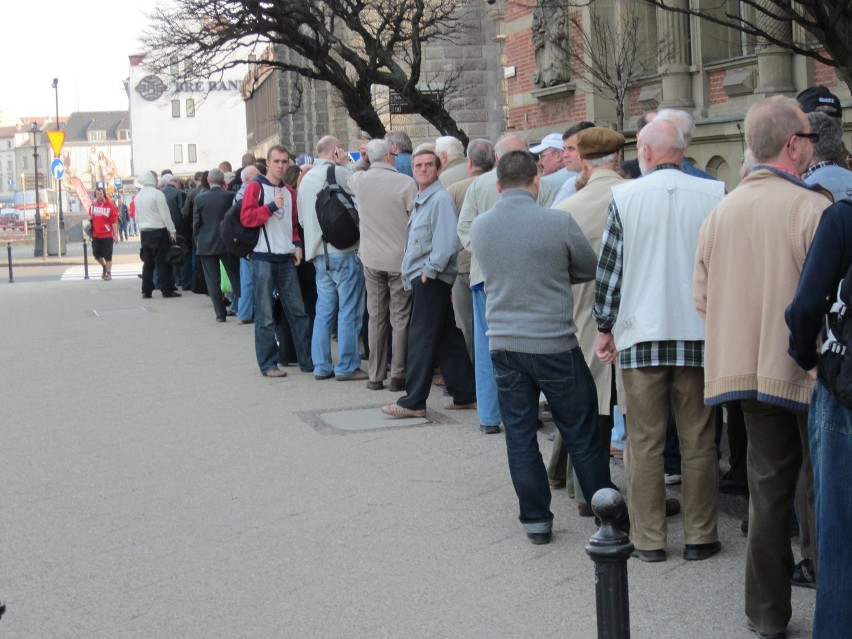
point(660, 142)
point(509, 142)
point(769, 125)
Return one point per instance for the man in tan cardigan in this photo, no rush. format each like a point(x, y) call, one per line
point(750, 255)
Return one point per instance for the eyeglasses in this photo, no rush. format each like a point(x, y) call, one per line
point(813, 137)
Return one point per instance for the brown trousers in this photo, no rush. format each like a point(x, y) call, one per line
point(388, 304)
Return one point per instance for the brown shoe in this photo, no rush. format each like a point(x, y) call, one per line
point(275, 372)
point(454, 406)
point(375, 385)
point(242, 322)
point(556, 483)
point(397, 385)
point(401, 412)
point(356, 375)
point(672, 507)
point(585, 510)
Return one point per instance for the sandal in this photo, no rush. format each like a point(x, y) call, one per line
point(400, 412)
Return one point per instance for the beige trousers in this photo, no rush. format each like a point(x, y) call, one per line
point(388, 304)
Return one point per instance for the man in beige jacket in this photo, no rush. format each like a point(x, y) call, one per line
point(749, 258)
point(385, 198)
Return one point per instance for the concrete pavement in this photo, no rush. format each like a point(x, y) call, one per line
point(155, 485)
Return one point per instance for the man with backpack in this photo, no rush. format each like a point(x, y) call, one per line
point(339, 272)
point(822, 299)
point(270, 204)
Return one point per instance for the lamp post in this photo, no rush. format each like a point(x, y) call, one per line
point(61, 227)
point(39, 230)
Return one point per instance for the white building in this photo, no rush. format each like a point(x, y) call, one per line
point(185, 127)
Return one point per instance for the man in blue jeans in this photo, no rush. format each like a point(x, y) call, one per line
point(339, 273)
point(532, 336)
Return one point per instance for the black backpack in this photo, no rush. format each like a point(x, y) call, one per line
point(835, 364)
point(240, 240)
point(337, 215)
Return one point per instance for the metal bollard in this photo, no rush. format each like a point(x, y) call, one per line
point(85, 261)
point(610, 549)
point(9, 256)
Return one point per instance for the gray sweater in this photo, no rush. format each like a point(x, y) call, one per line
point(530, 256)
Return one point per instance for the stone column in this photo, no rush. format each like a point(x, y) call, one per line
point(675, 56)
point(774, 64)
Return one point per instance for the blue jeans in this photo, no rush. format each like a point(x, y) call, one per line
point(245, 306)
point(830, 436)
point(340, 292)
point(569, 387)
point(486, 389)
point(279, 276)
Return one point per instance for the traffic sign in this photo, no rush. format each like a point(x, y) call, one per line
point(57, 169)
point(116, 182)
point(99, 185)
point(57, 139)
point(11, 181)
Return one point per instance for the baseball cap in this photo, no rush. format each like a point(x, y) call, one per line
point(550, 141)
point(819, 98)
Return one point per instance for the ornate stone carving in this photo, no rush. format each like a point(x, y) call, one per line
point(552, 44)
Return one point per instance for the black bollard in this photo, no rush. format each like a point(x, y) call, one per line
point(610, 549)
point(9, 256)
point(85, 261)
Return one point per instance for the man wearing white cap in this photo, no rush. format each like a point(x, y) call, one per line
point(549, 153)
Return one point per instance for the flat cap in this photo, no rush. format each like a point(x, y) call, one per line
point(597, 142)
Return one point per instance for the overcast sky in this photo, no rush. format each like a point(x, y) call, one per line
point(85, 44)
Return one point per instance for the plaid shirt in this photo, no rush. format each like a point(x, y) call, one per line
point(608, 300)
point(812, 169)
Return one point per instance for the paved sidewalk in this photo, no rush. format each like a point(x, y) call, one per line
point(157, 486)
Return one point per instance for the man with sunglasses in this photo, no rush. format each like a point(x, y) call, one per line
point(750, 255)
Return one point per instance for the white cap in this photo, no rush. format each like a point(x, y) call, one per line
point(550, 141)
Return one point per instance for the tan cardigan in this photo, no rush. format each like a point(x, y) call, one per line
point(747, 266)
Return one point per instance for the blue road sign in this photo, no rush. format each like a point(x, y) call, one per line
point(57, 169)
point(116, 182)
point(11, 181)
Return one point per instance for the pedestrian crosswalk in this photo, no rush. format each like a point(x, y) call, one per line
point(119, 272)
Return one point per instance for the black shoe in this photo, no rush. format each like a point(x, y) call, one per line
point(397, 385)
point(540, 538)
point(171, 294)
point(744, 527)
point(733, 487)
point(803, 575)
point(697, 552)
point(489, 430)
point(319, 378)
point(220, 319)
point(650, 556)
point(146, 296)
point(375, 385)
point(762, 635)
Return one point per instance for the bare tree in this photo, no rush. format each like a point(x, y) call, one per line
point(827, 25)
point(609, 50)
point(351, 44)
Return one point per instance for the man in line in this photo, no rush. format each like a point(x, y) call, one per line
point(481, 196)
point(245, 303)
point(532, 336)
point(385, 198)
point(176, 198)
point(274, 260)
point(156, 231)
point(339, 273)
point(450, 151)
point(104, 218)
point(571, 160)
point(747, 266)
point(645, 315)
point(480, 160)
point(828, 167)
point(549, 153)
point(429, 270)
point(401, 148)
point(209, 211)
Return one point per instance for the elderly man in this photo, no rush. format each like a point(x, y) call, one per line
point(385, 198)
point(532, 336)
point(339, 272)
point(208, 213)
point(599, 152)
point(645, 315)
point(401, 150)
point(481, 196)
point(828, 165)
point(429, 270)
point(450, 150)
point(747, 266)
point(156, 231)
point(549, 153)
point(245, 303)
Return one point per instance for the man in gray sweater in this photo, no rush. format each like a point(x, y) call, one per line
point(531, 335)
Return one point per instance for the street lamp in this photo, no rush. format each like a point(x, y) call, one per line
point(39, 230)
point(61, 227)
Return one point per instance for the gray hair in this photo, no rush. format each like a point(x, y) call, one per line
point(164, 180)
point(681, 119)
point(426, 146)
point(248, 173)
point(215, 176)
point(401, 139)
point(662, 135)
point(769, 125)
point(596, 163)
point(509, 142)
point(377, 150)
point(449, 145)
point(480, 152)
point(829, 147)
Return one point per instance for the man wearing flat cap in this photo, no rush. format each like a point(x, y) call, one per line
point(647, 321)
point(600, 151)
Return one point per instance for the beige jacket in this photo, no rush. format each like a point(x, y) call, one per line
point(589, 207)
point(747, 266)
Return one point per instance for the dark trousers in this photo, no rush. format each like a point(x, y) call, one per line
point(213, 278)
point(154, 247)
point(433, 337)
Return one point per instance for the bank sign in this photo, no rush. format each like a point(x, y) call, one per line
point(151, 87)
